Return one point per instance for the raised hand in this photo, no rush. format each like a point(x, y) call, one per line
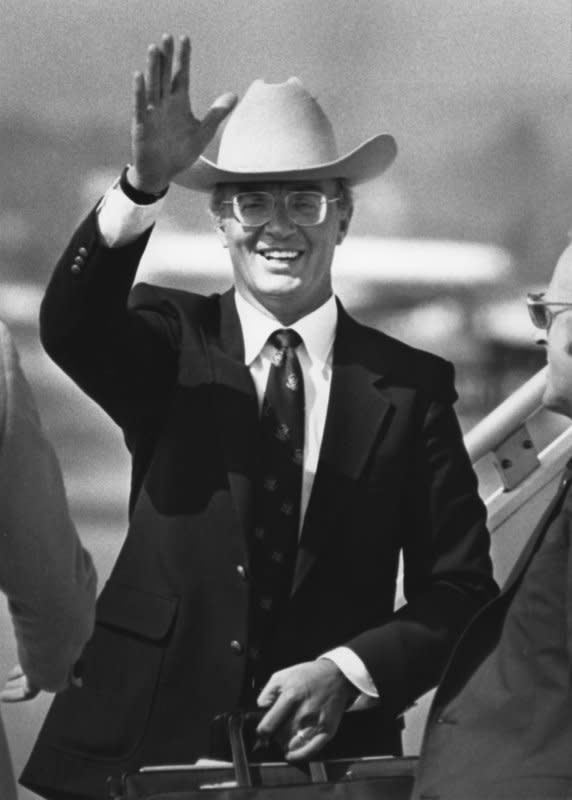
point(166, 137)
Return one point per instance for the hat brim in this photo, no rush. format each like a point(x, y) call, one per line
point(364, 163)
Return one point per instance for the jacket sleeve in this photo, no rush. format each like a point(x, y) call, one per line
point(123, 359)
point(447, 570)
point(47, 575)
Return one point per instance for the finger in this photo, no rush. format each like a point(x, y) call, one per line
point(13, 691)
point(166, 64)
point(16, 683)
point(15, 672)
point(18, 680)
point(12, 695)
point(220, 109)
point(182, 79)
point(305, 746)
point(269, 693)
point(139, 98)
point(153, 75)
point(17, 690)
point(277, 715)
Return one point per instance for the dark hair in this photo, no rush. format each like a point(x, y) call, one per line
point(346, 195)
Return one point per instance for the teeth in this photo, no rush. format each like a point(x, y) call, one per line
point(281, 254)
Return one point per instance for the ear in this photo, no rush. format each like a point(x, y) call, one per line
point(343, 225)
point(220, 231)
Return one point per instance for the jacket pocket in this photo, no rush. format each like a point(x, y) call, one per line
point(107, 717)
point(129, 624)
point(134, 611)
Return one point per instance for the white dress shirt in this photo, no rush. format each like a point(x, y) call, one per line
point(317, 331)
point(120, 222)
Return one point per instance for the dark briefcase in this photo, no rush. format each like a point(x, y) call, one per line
point(370, 778)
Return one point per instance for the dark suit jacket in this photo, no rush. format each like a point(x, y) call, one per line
point(393, 476)
point(501, 722)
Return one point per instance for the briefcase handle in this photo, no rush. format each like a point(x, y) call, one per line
point(243, 775)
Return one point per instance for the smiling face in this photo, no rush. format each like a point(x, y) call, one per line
point(282, 267)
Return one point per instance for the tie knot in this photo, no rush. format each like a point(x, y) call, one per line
point(285, 338)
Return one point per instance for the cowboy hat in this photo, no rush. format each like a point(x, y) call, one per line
point(279, 132)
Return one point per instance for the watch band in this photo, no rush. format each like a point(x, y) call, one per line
point(139, 197)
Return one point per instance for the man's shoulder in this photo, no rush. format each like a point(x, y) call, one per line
point(174, 301)
point(398, 360)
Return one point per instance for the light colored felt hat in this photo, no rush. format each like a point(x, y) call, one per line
point(277, 132)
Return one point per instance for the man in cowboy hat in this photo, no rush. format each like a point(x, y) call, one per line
point(283, 457)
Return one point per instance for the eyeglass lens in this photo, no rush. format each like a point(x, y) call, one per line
point(542, 312)
point(303, 208)
point(539, 314)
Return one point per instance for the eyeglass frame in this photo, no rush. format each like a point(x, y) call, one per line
point(535, 299)
point(324, 203)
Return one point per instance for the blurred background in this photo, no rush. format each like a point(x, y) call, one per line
point(442, 250)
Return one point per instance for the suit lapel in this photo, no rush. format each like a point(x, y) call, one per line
point(536, 538)
point(236, 408)
point(356, 410)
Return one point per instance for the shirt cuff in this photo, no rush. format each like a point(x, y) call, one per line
point(120, 220)
point(356, 672)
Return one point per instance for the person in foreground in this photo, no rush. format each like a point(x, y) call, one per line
point(500, 725)
point(283, 456)
point(47, 576)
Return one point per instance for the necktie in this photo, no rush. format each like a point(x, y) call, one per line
point(277, 501)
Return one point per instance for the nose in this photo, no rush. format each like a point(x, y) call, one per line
point(280, 223)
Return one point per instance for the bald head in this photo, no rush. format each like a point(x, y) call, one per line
point(560, 287)
point(558, 392)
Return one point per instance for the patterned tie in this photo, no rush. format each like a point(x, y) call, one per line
point(277, 510)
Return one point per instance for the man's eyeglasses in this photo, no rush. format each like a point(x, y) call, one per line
point(254, 209)
point(542, 312)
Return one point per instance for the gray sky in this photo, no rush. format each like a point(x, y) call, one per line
point(366, 59)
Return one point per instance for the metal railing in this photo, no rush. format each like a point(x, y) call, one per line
point(506, 417)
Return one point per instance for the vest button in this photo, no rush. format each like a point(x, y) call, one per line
point(241, 571)
point(236, 647)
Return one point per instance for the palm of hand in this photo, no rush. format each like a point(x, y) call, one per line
point(168, 140)
point(166, 137)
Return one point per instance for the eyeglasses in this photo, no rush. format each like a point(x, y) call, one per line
point(540, 310)
point(254, 209)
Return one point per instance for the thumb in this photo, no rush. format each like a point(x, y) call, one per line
point(220, 109)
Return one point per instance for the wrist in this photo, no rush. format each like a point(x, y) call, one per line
point(136, 189)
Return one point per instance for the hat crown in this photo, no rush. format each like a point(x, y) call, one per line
point(276, 127)
point(279, 132)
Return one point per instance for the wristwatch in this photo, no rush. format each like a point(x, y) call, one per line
point(136, 195)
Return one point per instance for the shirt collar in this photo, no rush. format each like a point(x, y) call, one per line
point(317, 329)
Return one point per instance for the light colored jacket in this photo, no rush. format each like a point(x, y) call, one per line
point(47, 576)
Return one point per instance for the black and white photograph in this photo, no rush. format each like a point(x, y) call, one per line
point(285, 399)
